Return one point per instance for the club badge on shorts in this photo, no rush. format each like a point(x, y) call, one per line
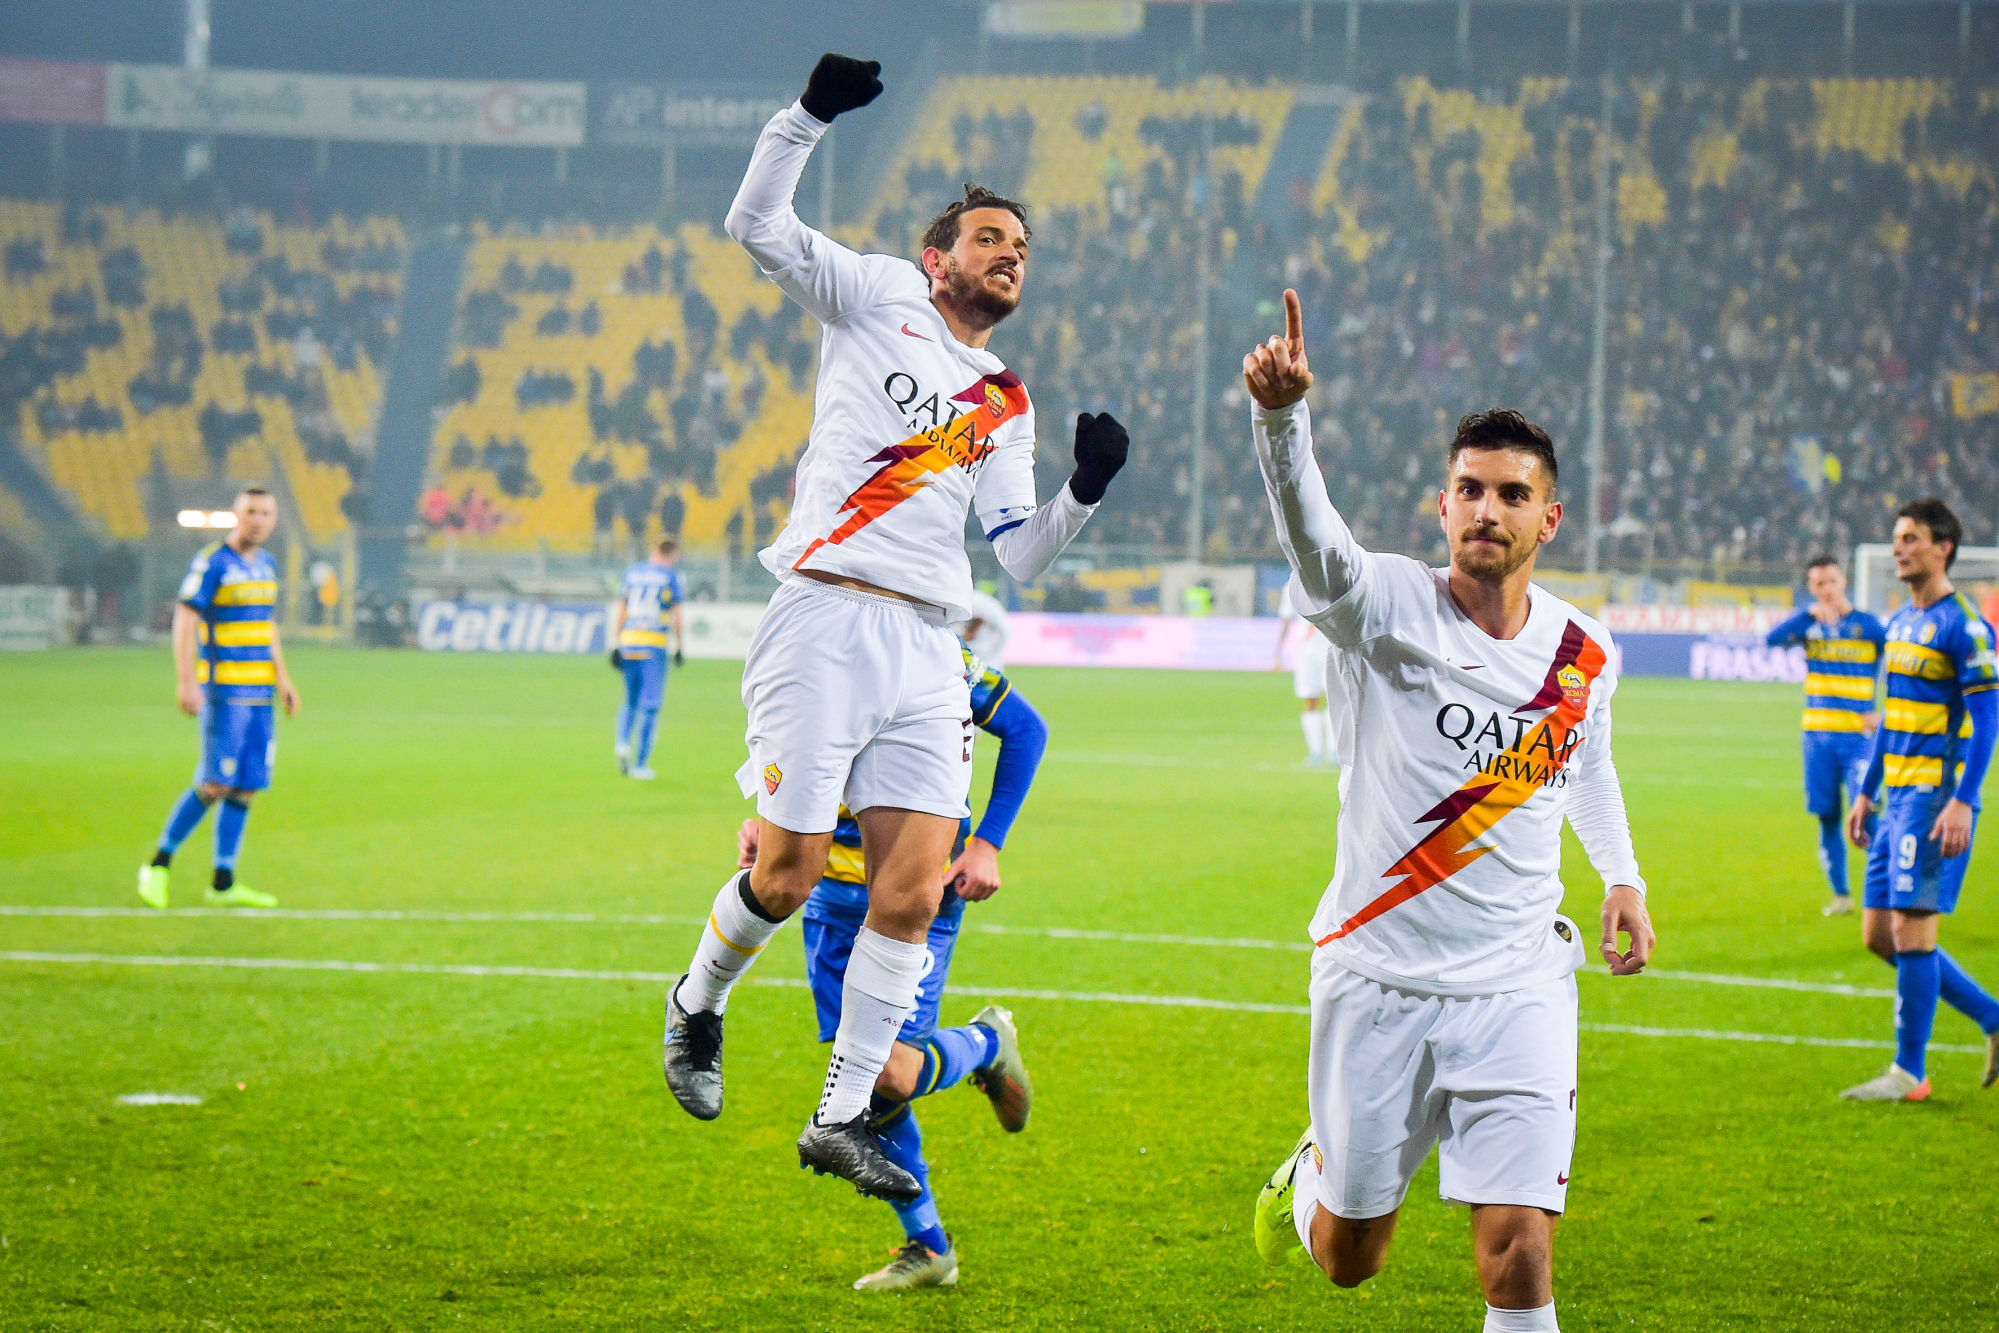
point(772, 776)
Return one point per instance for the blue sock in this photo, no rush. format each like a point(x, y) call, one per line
point(186, 816)
point(902, 1143)
point(1966, 996)
point(1918, 981)
point(952, 1053)
point(229, 831)
point(625, 711)
point(1832, 852)
point(642, 747)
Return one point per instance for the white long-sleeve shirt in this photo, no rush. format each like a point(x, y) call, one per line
point(910, 429)
point(1463, 755)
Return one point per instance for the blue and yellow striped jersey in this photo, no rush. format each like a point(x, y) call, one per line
point(236, 597)
point(1936, 656)
point(648, 591)
point(1841, 664)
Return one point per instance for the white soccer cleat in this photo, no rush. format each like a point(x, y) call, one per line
point(914, 1265)
point(643, 774)
point(1991, 1074)
point(1841, 904)
point(1893, 1084)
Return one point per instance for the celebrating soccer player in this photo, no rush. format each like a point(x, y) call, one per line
point(1473, 715)
point(926, 1059)
point(227, 668)
point(1843, 648)
point(855, 688)
point(648, 597)
point(1933, 750)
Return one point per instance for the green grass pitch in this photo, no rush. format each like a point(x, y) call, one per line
point(409, 1148)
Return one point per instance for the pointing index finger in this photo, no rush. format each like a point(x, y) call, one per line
point(1294, 320)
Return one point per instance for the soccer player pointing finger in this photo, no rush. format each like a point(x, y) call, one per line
point(1473, 711)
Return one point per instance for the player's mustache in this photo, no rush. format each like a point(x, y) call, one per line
point(1486, 533)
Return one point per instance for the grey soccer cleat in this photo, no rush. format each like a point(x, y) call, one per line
point(693, 1059)
point(1991, 1074)
point(1893, 1084)
point(853, 1154)
point(1005, 1081)
point(914, 1265)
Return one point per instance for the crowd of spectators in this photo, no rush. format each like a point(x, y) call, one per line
point(1782, 326)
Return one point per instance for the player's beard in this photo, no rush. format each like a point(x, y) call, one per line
point(1487, 563)
point(976, 298)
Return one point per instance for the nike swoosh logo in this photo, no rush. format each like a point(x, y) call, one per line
point(1471, 666)
point(914, 334)
point(1562, 1179)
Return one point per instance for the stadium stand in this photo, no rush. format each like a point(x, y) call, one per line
point(144, 350)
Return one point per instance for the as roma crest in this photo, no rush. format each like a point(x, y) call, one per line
point(772, 776)
point(995, 399)
point(1575, 687)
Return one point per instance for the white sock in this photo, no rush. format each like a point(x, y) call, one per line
point(1540, 1320)
point(879, 996)
point(1315, 745)
point(1305, 1195)
point(730, 942)
point(1330, 751)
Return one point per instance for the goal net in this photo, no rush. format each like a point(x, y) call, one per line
point(1876, 589)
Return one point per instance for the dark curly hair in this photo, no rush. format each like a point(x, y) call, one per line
point(1503, 428)
point(942, 233)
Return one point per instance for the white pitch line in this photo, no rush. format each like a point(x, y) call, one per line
point(661, 978)
point(656, 919)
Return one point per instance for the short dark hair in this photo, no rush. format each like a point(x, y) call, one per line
point(252, 490)
point(1935, 515)
point(1820, 561)
point(942, 233)
point(667, 546)
point(1504, 428)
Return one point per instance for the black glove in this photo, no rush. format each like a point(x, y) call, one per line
point(617, 660)
point(680, 657)
point(841, 83)
point(1101, 444)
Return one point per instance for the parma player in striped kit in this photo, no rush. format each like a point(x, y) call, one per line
point(228, 671)
point(648, 599)
point(1932, 751)
point(1843, 656)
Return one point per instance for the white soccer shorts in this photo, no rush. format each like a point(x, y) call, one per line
point(857, 700)
point(1308, 672)
point(1490, 1079)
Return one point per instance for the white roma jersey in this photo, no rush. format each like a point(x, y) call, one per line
point(910, 427)
point(1463, 753)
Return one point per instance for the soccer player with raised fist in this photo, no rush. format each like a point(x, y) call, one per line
point(1472, 708)
point(854, 684)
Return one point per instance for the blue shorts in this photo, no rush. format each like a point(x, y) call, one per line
point(831, 926)
point(1906, 871)
point(645, 679)
point(1834, 759)
point(239, 745)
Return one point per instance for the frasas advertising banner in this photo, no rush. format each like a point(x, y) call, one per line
point(51, 92)
point(647, 115)
point(328, 106)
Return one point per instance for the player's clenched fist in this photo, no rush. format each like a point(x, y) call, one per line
point(1277, 373)
point(840, 83)
point(1101, 446)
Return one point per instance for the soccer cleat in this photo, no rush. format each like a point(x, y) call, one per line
point(914, 1265)
point(153, 885)
point(1991, 1074)
point(643, 773)
point(849, 1151)
point(237, 895)
point(624, 761)
point(693, 1059)
point(1276, 1233)
point(1840, 905)
point(1005, 1081)
point(1893, 1084)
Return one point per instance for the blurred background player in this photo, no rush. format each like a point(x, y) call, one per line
point(228, 666)
point(1309, 649)
point(926, 1060)
point(1932, 750)
point(1474, 718)
point(1843, 662)
point(985, 630)
point(648, 600)
point(854, 685)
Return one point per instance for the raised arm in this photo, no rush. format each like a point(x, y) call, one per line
point(1327, 560)
point(1027, 538)
point(818, 272)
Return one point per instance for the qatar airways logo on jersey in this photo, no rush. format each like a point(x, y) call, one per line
point(944, 423)
point(1505, 745)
